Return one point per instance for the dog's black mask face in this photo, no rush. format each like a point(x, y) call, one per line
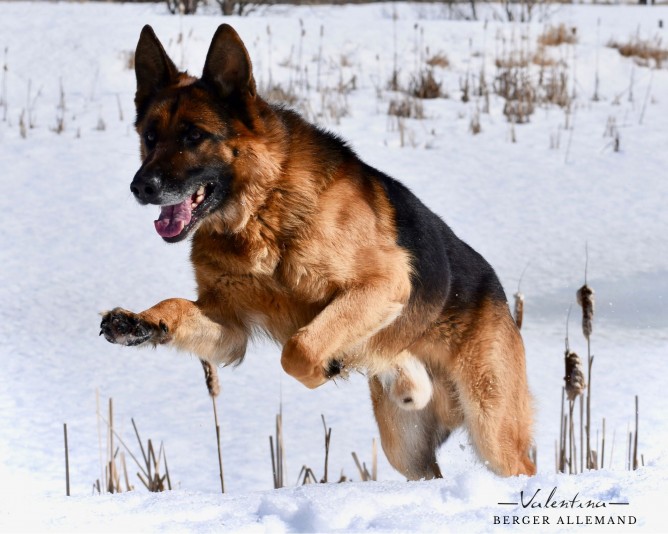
point(186, 126)
point(186, 168)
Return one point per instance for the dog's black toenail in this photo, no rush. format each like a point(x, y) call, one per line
point(334, 368)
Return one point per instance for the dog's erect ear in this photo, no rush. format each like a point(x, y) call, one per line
point(153, 67)
point(228, 66)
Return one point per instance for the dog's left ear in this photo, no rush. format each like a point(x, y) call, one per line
point(228, 65)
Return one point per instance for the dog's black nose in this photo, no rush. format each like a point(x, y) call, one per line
point(146, 187)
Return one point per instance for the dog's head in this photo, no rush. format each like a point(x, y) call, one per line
point(198, 155)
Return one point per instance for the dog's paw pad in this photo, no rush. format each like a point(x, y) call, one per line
point(126, 328)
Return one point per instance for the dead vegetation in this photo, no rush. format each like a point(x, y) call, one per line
point(423, 84)
point(407, 107)
point(591, 451)
point(558, 35)
point(645, 52)
point(438, 60)
point(307, 475)
point(153, 469)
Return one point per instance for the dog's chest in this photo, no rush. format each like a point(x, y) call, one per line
point(279, 302)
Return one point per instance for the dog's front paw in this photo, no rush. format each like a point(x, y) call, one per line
point(127, 328)
point(300, 364)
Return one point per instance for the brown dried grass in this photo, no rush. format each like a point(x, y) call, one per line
point(424, 85)
point(558, 35)
point(438, 60)
point(646, 52)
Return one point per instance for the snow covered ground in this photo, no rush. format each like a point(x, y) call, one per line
point(74, 242)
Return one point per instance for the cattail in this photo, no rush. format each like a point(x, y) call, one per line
point(211, 378)
point(585, 296)
point(519, 309)
point(213, 385)
point(575, 380)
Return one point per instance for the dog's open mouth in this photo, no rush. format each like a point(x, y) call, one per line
point(176, 221)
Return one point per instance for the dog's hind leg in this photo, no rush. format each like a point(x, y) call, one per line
point(490, 377)
point(180, 323)
point(409, 437)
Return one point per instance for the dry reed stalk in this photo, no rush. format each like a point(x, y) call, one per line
point(153, 481)
point(164, 458)
point(361, 467)
point(556, 456)
point(594, 459)
point(572, 467)
point(328, 437)
point(519, 299)
point(141, 445)
point(585, 298)
point(99, 433)
point(213, 387)
point(533, 454)
point(561, 434)
point(519, 309)
point(588, 422)
point(67, 462)
point(581, 434)
point(277, 452)
point(125, 473)
point(595, 97)
point(374, 460)
point(563, 444)
point(603, 446)
point(274, 471)
point(635, 440)
point(111, 465)
point(365, 475)
point(3, 96)
point(308, 476)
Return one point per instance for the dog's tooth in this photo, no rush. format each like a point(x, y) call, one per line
point(199, 199)
point(200, 191)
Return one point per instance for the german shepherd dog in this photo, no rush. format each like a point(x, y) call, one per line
point(292, 234)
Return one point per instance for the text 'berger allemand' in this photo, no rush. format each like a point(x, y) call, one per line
point(339, 263)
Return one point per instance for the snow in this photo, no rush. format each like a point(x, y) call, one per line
point(74, 243)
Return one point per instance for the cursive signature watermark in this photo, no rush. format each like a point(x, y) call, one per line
point(549, 507)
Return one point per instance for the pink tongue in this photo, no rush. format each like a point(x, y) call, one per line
point(173, 219)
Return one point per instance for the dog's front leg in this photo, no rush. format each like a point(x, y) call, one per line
point(349, 320)
point(178, 322)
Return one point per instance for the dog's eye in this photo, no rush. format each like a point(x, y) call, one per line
point(194, 135)
point(149, 138)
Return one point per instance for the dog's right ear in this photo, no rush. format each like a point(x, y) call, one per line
point(153, 67)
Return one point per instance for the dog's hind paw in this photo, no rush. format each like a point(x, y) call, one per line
point(126, 328)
